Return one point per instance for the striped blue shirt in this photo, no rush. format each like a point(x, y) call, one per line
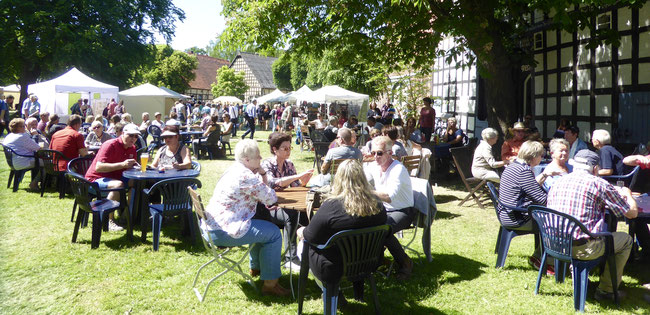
point(519, 189)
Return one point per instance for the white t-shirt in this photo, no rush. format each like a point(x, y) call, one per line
point(395, 182)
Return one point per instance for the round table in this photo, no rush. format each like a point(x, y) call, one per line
point(141, 179)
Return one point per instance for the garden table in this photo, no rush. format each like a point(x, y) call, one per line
point(643, 205)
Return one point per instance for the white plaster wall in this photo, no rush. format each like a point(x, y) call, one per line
point(603, 105)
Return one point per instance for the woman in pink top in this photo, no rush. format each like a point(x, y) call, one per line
point(427, 119)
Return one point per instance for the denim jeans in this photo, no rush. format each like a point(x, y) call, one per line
point(266, 241)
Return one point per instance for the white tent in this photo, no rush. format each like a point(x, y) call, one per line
point(53, 94)
point(148, 98)
point(227, 99)
point(293, 96)
point(334, 93)
point(267, 97)
point(11, 90)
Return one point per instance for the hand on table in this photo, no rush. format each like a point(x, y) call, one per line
point(306, 176)
point(128, 163)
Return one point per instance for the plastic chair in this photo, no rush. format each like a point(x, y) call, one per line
point(220, 254)
point(51, 160)
point(196, 166)
point(360, 250)
point(175, 201)
point(505, 234)
point(79, 166)
point(463, 159)
point(629, 178)
point(99, 208)
point(209, 145)
point(156, 141)
point(557, 230)
point(16, 175)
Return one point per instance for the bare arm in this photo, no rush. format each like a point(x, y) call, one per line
point(103, 167)
point(634, 160)
point(634, 211)
point(606, 172)
point(383, 196)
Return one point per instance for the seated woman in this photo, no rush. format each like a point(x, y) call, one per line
point(412, 133)
point(111, 128)
point(520, 188)
point(226, 128)
point(484, 162)
point(398, 148)
point(558, 166)
point(351, 205)
point(97, 136)
point(455, 136)
point(21, 142)
point(214, 126)
point(281, 174)
point(174, 154)
point(229, 215)
point(511, 146)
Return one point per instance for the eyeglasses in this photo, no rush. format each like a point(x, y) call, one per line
point(133, 136)
point(286, 148)
point(377, 153)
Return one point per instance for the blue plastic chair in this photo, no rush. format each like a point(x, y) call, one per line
point(50, 169)
point(360, 250)
point(175, 201)
point(505, 234)
point(196, 166)
point(16, 175)
point(557, 230)
point(156, 141)
point(99, 208)
point(629, 178)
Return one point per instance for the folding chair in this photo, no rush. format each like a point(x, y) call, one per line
point(221, 254)
point(463, 159)
point(412, 162)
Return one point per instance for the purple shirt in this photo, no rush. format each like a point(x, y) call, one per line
point(270, 165)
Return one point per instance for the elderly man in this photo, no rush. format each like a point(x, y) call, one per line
point(20, 141)
point(146, 122)
point(45, 118)
point(250, 115)
point(31, 107)
point(115, 156)
point(345, 150)
point(158, 120)
point(393, 187)
point(611, 161)
point(586, 197)
point(69, 141)
point(575, 143)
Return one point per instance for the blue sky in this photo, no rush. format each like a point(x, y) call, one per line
point(203, 21)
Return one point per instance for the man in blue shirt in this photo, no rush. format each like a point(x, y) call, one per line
point(4, 114)
point(611, 161)
point(250, 115)
point(31, 107)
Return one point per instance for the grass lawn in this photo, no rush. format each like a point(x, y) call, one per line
point(41, 271)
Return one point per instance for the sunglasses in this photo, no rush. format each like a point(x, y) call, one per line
point(377, 153)
point(133, 136)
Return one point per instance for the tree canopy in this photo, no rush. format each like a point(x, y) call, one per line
point(105, 39)
point(172, 69)
point(229, 83)
point(404, 34)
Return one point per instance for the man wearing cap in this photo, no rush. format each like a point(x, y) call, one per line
point(114, 156)
point(587, 197)
point(69, 142)
point(510, 147)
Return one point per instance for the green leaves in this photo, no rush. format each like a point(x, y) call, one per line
point(229, 83)
point(172, 69)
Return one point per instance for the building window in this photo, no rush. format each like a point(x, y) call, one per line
point(539, 41)
point(603, 21)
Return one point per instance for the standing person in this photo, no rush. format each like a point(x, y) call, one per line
point(76, 108)
point(576, 144)
point(4, 116)
point(273, 117)
point(588, 198)
point(69, 142)
point(427, 119)
point(285, 119)
point(611, 161)
point(251, 112)
point(111, 108)
point(119, 109)
point(233, 111)
point(31, 107)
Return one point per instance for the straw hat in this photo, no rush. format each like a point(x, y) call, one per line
point(519, 126)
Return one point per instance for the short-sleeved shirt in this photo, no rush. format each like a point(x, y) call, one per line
point(453, 136)
point(426, 117)
point(395, 182)
point(112, 151)
point(343, 152)
point(68, 141)
point(270, 166)
point(610, 158)
point(22, 144)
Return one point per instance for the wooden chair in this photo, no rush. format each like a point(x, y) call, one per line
point(463, 159)
point(306, 138)
point(412, 162)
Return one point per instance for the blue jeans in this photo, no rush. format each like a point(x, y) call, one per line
point(266, 241)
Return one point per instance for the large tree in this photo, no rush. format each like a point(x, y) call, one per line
point(172, 69)
point(399, 34)
point(105, 39)
point(229, 83)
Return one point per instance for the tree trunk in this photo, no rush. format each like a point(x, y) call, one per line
point(28, 75)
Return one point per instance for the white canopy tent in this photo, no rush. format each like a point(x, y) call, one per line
point(13, 89)
point(227, 99)
point(267, 97)
point(53, 95)
point(357, 102)
point(148, 98)
point(292, 96)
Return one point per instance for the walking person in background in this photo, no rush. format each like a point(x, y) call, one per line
point(250, 115)
point(233, 111)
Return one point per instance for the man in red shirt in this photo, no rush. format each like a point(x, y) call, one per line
point(69, 142)
point(114, 156)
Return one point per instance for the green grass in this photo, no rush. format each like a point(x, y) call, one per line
point(41, 271)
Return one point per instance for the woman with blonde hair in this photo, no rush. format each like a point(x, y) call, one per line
point(351, 205)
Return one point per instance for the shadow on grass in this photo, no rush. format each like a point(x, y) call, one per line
point(442, 215)
point(445, 198)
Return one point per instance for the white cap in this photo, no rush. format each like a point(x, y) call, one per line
point(131, 129)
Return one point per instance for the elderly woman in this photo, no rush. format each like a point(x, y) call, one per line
point(97, 136)
point(484, 162)
point(281, 174)
point(351, 205)
point(229, 215)
point(20, 141)
point(558, 166)
point(454, 135)
point(210, 129)
point(511, 146)
point(174, 154)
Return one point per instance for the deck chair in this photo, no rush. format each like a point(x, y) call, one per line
point(463, 159)
point(360, 250)
point(557, 230)
point(221, 255)
point(306, 138)
point(412, 162)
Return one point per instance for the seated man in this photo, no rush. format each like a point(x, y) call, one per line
point(115, 156)
point(576, 144)
point(319, 123)
point(345, 149)
point(393, 187)
point(611, 161)
point(373, 123)
point(586, 197)
point(69, 142)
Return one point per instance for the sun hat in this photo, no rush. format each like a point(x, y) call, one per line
point(168, 133)
point(131, 129)
point(519, 126)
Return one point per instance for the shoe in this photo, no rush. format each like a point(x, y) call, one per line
point(255, 273)
point(293, 265)
point(536, 262)
point(33, 186)
point(113, 227)
point(404, 273)
point(242, 137)
point(601, 295)
point(277, 290)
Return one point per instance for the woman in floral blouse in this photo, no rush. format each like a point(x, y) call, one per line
point(229, 215)
point(282, 174)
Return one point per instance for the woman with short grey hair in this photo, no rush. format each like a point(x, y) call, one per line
point(558, 166)
point(484, 163)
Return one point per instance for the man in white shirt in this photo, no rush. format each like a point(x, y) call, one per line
point(31, 107)
point(393, 187)
point(251, 114)
point(233, 111)
point(319, 123)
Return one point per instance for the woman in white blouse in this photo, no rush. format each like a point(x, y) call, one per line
point(229, 215)
point(484, 162)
